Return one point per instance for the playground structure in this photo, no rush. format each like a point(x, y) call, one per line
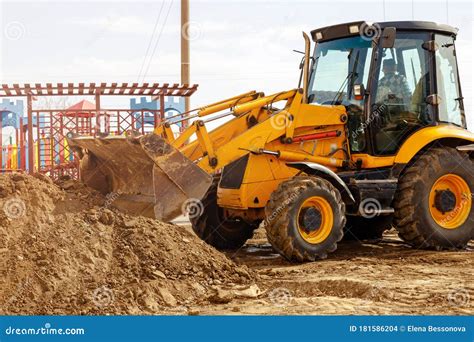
point(11, 115)
point(172, 106)
point(40, 143)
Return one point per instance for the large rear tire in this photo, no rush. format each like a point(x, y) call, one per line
point(433, 203)
point(305, 218)
point(361, 228)
point(217, 231)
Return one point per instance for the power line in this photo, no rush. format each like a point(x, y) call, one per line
point(151, 40)
point(157, 41)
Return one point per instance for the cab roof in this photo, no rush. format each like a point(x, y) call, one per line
point(343, 30)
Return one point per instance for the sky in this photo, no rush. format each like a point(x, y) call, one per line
point(236, 46)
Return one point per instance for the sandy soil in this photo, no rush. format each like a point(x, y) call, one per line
point(385, 278)
point(65, 250)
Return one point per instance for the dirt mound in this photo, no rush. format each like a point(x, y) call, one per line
point(65, 250)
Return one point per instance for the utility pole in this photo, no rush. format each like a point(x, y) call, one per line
point(185, 67)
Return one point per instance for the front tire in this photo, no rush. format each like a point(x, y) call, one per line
point(433, 204)
point(305, 218)
point(217, 231)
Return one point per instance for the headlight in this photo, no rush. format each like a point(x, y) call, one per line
point(354, 29)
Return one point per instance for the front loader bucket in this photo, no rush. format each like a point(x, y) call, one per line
point(142, 175)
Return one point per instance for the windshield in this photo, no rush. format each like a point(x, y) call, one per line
point(338, 65)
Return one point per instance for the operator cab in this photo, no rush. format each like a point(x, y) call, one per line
point(393, 78)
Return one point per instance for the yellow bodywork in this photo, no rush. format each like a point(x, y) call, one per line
point(234, 139)
point(427, 135)
point(157, 174)
point(264, 172)
point(179, 168)
point(270, 130)
point(414, 144)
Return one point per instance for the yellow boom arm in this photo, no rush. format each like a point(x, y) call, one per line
point(253, 127)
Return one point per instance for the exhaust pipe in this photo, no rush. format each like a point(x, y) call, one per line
point(307, 47)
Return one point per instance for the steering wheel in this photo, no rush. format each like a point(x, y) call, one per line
point(403, 123)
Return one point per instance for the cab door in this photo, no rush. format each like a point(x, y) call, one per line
point(450, 100)
point(401, 82)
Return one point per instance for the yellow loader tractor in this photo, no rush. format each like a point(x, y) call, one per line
point(373, 137)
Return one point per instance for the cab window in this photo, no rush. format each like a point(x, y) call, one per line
point(449, 108)
point(338, 66)
point(401, 83)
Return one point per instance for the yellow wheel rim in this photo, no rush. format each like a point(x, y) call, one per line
point(317, 230)
point(450, 201)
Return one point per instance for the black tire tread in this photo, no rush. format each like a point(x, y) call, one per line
point(227, 234)
point(405, 202)
point(277, 228)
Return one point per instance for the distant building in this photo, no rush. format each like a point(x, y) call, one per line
point(173, 106)
point(11, 112)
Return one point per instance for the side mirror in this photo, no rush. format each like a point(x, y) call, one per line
point(388, 37)
point(301, 64)
point(359, 91)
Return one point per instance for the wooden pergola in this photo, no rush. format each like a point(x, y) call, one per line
point(32, 91)
point(128, 89)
